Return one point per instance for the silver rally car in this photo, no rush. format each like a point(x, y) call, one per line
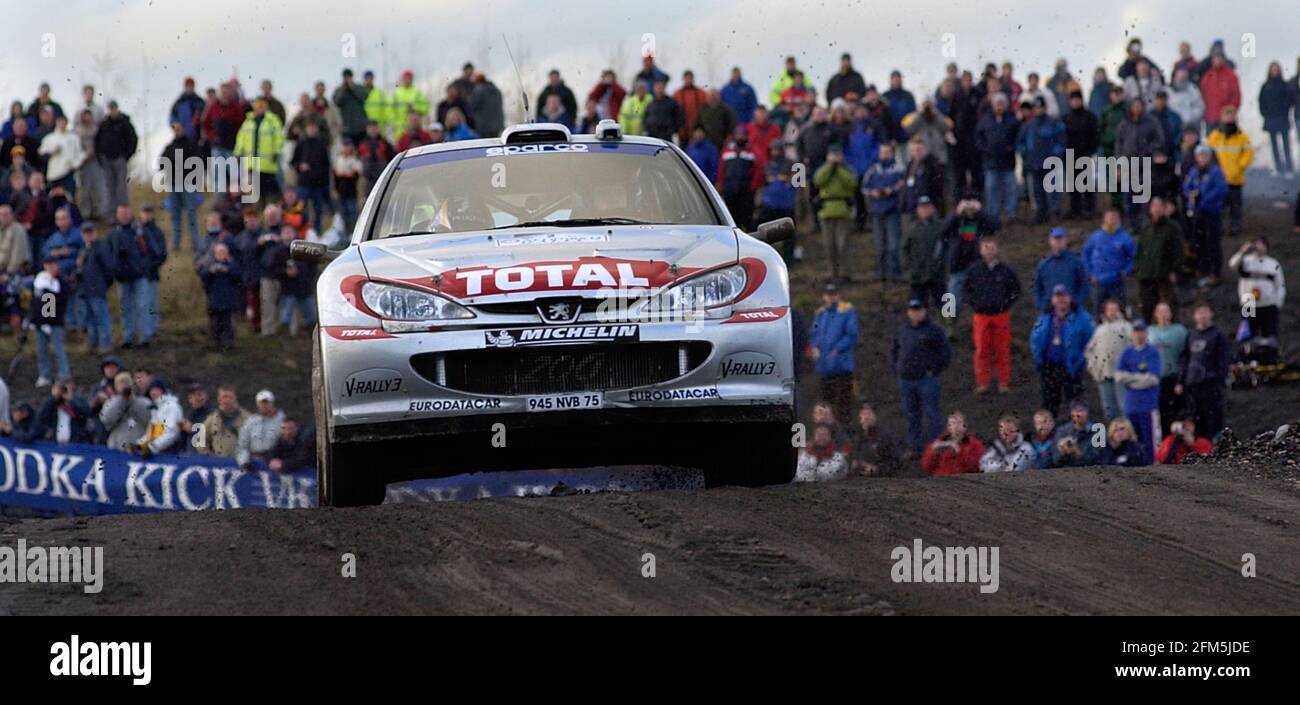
point(549, 300)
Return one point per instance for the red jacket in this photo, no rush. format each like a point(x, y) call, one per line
point(410, 139)
point(1220, 87)
point(1170, 454)
point(760, 138)
point(617, 93)
point(690, 99)
point(221, 121)
point(938, 463)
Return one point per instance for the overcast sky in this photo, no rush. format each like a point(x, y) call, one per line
point(138, 51)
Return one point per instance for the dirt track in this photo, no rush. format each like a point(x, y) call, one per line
point(1088, 541)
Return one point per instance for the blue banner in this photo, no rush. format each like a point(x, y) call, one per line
point(54, 478)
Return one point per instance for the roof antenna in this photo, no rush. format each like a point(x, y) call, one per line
point(523, 93)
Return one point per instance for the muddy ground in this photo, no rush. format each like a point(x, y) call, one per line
point(1165, 540)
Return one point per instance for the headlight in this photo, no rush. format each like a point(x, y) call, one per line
point(710, 290)
point(399, 303)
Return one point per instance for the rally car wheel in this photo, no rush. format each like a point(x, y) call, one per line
point(757, 456)
point(341, 479)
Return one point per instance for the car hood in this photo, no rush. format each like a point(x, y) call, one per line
point(541, 261)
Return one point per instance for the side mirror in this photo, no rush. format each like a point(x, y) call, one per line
point(314, 252)
point(774, 231)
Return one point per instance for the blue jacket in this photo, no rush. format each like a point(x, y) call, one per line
point(1172, 123)
point(834, 335)
point(740, 97)
point(1108, 257)
point(1144, 361)
point(884, 175)
point(705, 155)
point(225, 289)
point(58, 239)
point(97, 270)
point(901, 104)
point(778, 194)
point(130, 253)
point(1075, 334)
point(157, 243)
point(1212, 189)
point(920, 351)
point(996, 141)
point(863, 147)
point(1065, 269)
point(1041, 138)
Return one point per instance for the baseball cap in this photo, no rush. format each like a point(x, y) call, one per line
point(830, 288)
point(915, 303)
point(1140, 324)
point(1078, 404)
point(923, 200)
point(1058, 232)
point(1060, 289)
point(265, 395)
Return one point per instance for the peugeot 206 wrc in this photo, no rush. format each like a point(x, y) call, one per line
point(547, 300)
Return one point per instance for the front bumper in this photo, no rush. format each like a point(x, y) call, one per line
point(386, 386)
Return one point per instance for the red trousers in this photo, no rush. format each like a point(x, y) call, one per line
point(992, 333)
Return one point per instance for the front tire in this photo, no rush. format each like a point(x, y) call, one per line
point(755, 455)
point(341, 479)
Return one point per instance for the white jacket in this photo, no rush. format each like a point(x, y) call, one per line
point(1145, 89)
point(999, 458)
point(63, 152)
point(164, 424)
point(1261, 281)
point(813, 469)
point(1103, 351)
point(1187, 102)
point(1049, 100)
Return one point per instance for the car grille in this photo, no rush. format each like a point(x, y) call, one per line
point(560, 369)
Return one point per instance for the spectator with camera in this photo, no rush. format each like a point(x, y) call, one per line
point(63, 418)
point(1262, 292)
point(125, 415)
point(1074, 439)
point(1009, 451)
point(956, 452)
point(1181, 442)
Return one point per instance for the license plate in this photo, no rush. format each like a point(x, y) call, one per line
point(566, 402)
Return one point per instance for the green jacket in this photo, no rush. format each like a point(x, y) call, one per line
point(262, 142)
point(1110, 121)
point(632, 113)
point(836, 186)
point(1159, 250)
point(925, 251)
point(783, 81)
point(379, 107)
point(352, 107)
point(403, 100)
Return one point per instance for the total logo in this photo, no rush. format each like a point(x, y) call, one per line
point(585, 273)
point(533, 149)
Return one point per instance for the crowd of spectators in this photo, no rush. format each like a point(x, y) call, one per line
point(938, 176)
point(140, 413)
point(1136, 386)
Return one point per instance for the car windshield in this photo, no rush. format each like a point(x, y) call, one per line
point(567, 185)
